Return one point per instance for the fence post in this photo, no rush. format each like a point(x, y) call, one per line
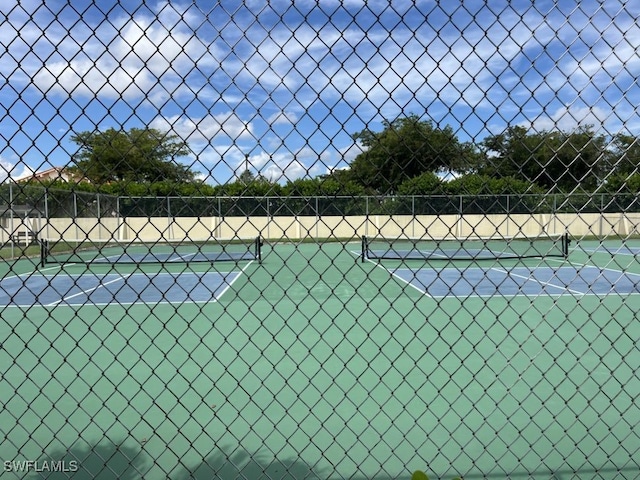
point(99, 216)
point(46, 211)
point(555, 212)
point(169, 219)
point(460, 216)
point(508, 214)
point(413, 216)
point(601, 227)
point(75, 214)
point(366, 216)
point(119, 224)
point(11, 225)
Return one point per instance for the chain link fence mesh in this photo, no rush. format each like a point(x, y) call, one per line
point(291, 240)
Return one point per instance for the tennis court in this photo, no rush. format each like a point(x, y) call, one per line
point(315, 364)
point(548, 280)
point(125, 289)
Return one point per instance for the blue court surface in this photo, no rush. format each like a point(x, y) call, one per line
point(96, 289)
point(477, 281)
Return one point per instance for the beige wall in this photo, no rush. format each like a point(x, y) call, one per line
point(81, 228)
point(579, 225)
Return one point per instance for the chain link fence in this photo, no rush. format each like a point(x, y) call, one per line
point(291, 240)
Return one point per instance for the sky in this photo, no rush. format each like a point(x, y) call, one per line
point(281, 87)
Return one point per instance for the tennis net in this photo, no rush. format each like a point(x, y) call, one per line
point(62, 251)
point(467, 248)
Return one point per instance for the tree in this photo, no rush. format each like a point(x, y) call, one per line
point(249, 185)
point(406, 148)
point(139, 155)
point(625, 155)
point(623, 183)
point(511, 153)
point(474, 184)
point(426, 184)
point(554, 160)
point(324, 185)
point(623, 169)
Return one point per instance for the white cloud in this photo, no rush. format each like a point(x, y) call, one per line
point(146, 56)
point(285, 166)
point(282, 169)
point(569, 118)
point(285, 117)
point(135, 56)
point(5, 170)
point(126, 57)
point(213, 74)
point(208, 129)
point(13, 172)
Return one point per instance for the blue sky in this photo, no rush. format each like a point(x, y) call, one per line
point(289, 83)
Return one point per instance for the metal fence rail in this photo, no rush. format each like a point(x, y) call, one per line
point(58, 203)
point(309, 240)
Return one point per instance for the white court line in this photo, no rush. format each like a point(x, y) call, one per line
point(148, 276)
point(377, 264)
point(618, 250)
point(181, 258)
point(574, 265)
point(33, 272)
point(232, 281)
point(120, 278)
point(602, 269)
point(424, 292)
point(86, 292)
point(532, 278)
point(393, 274)
point(506, 272)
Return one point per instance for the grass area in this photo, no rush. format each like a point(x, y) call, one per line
point(14, 252)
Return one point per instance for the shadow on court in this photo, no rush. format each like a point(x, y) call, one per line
point(108, 460)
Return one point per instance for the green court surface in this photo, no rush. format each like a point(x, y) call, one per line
point(315, 364)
